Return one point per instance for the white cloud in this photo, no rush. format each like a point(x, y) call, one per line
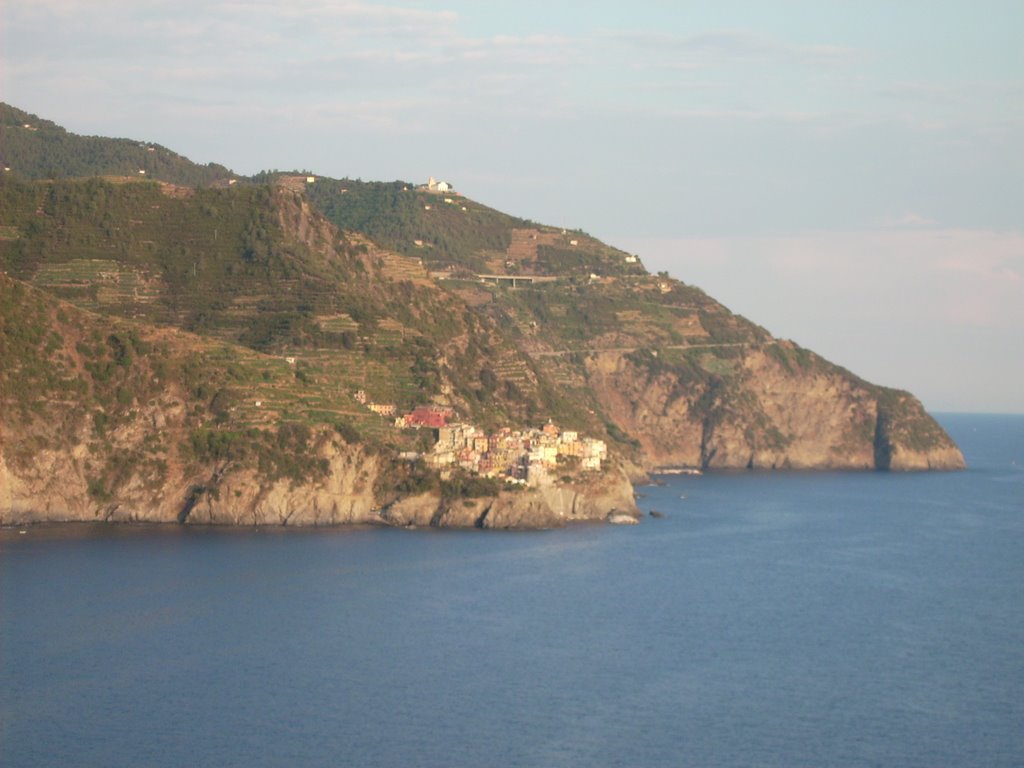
point(909, 220)
point(732, 45)
point(259, 52)
point(921, 91)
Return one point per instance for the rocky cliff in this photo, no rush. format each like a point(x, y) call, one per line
point(55, 489)
point(551, 505)
point(816, 417)
point(120, 422)
point(211, 354)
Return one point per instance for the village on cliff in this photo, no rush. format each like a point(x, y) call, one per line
point(520, 456)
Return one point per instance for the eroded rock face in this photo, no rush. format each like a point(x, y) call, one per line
point(49, 488)
point(551, 505)
point(416, 510)
point(907, 460)
point(768, 417)
point(778, 419)
point(344, 496)
point(53, 488)
point(908, 439)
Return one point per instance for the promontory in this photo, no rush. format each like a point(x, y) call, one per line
point(180, 343)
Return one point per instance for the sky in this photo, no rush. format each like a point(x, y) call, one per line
point(846, 173)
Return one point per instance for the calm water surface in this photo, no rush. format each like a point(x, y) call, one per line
point(769, 620)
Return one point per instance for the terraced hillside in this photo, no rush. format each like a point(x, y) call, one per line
point(257, 266)
point(452, 233)
point(324, 288)
point(134, 419)
point(104, 418)
point(667, 369)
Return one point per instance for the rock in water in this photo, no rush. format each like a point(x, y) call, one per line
point(620, 519)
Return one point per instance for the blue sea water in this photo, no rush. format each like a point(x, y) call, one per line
point(859, 619)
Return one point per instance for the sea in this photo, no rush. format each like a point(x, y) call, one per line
point(766, 619)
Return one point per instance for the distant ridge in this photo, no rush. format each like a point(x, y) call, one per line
point(35, 148)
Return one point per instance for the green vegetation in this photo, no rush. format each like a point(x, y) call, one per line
point(292, 305)
point(44, 150)
point(85, 378)
point(904, 422)
point(219, 262)
point(464, 486)
point(284, 453)
point(408, 478)
point(396, 216)
point(48, 360)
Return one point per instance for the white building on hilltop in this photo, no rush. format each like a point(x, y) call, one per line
point(435, 186)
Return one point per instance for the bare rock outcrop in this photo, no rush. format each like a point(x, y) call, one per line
point(417, 510)
point(765, 416)
point(550, 505)
point(53, 488)
point(343, 496)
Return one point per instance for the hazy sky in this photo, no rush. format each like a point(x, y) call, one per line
point(846, 173)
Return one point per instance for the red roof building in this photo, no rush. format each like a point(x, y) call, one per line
point(432, 417)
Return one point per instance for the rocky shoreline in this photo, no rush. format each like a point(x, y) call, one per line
point(54, 490)
point(343, 498)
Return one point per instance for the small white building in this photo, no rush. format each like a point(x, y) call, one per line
point(437, 187)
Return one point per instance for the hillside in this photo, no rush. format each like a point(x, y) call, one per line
point(668, 368)
point(34, 148)
point(146, 413)
point(278, 317)
point(112, 419)
point(257, 266)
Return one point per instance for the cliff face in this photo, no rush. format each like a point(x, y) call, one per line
point(343, 496)
point(907, 438)
point(107, 420)
point(549, 506)
point(55, 490)
point(770, 418)
point(211, 355)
